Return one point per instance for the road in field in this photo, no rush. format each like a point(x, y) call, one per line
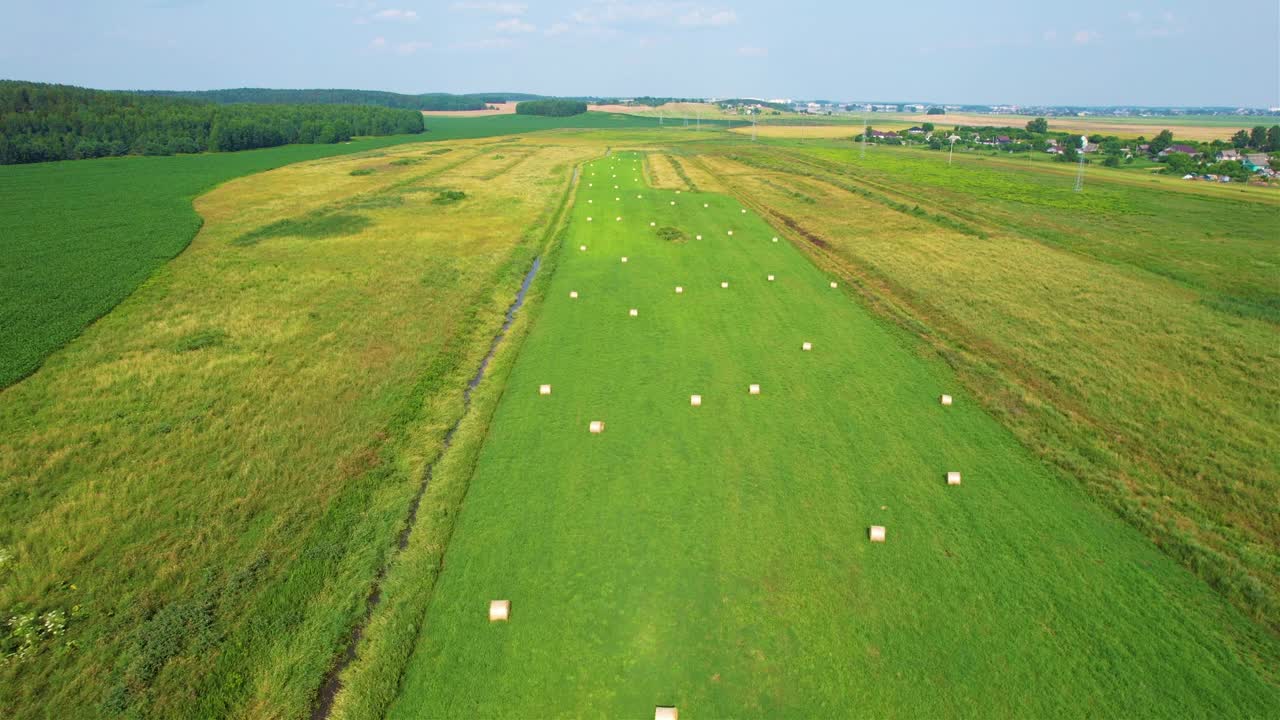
point(716, 557)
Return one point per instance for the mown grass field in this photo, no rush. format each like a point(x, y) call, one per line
point(205, 483)
point(1127, 333)
point(716, 558)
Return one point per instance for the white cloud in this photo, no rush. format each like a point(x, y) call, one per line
point(378, 43)
point(748, 51)
point(557, 29)
point(1086, 37)
point(1050, 35)
point(397, 15)
point(1135, 16)
point(500, 8)
point(705, 18)
point(514, 25)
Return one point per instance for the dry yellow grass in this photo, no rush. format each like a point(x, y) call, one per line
point(506, 108)
point(662, 174)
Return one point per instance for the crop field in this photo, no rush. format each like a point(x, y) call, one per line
point(268, 481)
point(716, 557)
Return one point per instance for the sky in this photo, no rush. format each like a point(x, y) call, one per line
point(1090, 52)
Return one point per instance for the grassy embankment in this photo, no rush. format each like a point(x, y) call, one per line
point(1127, 333)
point(716, 557)
point(205, 483)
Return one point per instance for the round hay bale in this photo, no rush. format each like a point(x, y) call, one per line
point(724, 284)
point(544, 389)
point(877, 533)
point(806, 346)
point(666, 712)
point(695, 400)
point(596, 427)
point(753, 389)
point(770, 278)
point(697, 237)
point(833, 285)
point(730, 232)
point(953, 478)
point(679, 290)
point(634, 312)
point(946, 400)
point(573, 294)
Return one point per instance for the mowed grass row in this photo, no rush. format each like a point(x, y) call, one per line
point(716, 558)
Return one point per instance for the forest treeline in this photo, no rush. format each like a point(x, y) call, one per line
point(551, 108)
point(425, 101)
point(41, 122)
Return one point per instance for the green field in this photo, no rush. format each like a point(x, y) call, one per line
point(716, 558)
point(208, 484)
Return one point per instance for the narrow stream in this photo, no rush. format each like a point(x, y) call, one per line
point(333, 680)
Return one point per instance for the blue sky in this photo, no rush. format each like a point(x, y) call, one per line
point(1183, 52)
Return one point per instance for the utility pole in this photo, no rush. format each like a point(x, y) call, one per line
point(952, 151)
point(1084, 141)
point(864, 136)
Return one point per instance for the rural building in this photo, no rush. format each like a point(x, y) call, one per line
point(1184, 149)
point(1226, 155)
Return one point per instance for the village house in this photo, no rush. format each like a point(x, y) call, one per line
point(1226, 155)
point(1184, 149)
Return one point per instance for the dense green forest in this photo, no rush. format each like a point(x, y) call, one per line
point(425, 101)
point(40, 122)
point(551, 108)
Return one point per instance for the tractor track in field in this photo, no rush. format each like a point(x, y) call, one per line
point(332, 683)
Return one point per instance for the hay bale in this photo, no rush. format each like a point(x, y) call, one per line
point(695, 400)
point(698, 237)
point(946, 400)
point(624, 258)
point(877, 533)
point(724, 284)
point(596, 427)
point(583, 248)
point(806, 346)
point(652, 224)
point(634, 312)
point(706, 205)
point(573, 294)
point(775, 239)
point(666, 712)
point(679, 290)
point(544, 389)
point(744, 211)
point(588, 218)
point(617, 198)
point(953, 478)
point(753, 389)
point(673, 202)
point(833, 285)
point(730, 232)
point(770, 278)
point(499, 610)
point(619, 218)
point(590, 201)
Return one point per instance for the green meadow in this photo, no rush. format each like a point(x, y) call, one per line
point(717, 558)
point(231, 384)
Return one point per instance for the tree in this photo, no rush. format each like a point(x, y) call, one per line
point(1161, 141)
point(927, 127)
point(1273, 139)
point(1240, 139)
point(1039, 125)
point(1258, 138)
point(935, 111)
